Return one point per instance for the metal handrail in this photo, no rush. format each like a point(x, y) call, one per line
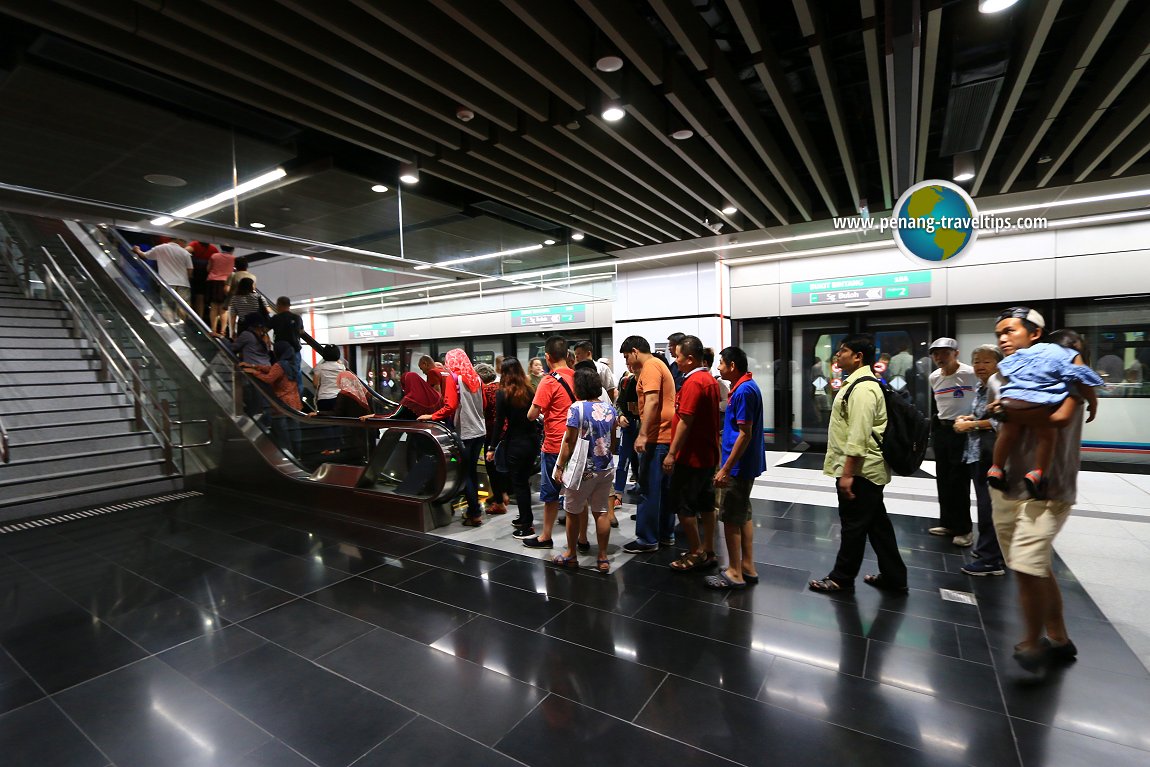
point(5, 450)
point(108, 349)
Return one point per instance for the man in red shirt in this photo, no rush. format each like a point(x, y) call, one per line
point(693, 456)
point(553, 397)
point(201, 253)
point(434, 373)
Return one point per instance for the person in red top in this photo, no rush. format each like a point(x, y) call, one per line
point(553, 397)
point(434, 372)
point(201, 253)
point(693, 456)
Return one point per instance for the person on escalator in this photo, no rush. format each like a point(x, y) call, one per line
point(325, 378)
point(284, 428)
point(463, 411)
point(288, 326)
point(244, 302)
point(418, 398)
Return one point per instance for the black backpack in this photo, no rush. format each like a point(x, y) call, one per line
point(903, 444)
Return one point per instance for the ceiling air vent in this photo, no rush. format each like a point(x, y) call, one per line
point(968, 113)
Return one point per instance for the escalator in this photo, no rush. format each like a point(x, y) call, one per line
point(385, 470)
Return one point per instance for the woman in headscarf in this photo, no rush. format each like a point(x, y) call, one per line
point(284, 428)
point(419, 398)
point(463, 411)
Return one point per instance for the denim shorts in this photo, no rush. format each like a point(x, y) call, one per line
point(549, 491)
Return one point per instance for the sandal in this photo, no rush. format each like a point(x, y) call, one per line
point(603, 565)
point(561, 560)
point(722, 582)
point(688, 562)
point(996, 478)
point(880, 582)
point(472, 522)
point(827, 586)
point(496, 508)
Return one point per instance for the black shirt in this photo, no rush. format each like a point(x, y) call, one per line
point(287, 326)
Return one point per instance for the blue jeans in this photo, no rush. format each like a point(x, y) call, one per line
point(654, 519)
point(472, 449)
point(626, 454)
point(987, 547)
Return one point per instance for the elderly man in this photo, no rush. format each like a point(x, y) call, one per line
point(953, 386)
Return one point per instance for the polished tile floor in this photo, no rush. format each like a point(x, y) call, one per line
point(213, 632)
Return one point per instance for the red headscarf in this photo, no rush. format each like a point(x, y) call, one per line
point(458, 363)
point(418, 396)
point(349, 385)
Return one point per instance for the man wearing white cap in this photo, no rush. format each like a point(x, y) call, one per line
point(953, 385)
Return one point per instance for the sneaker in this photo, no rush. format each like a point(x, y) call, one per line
point(963, 540)
point(634, 547)
point(523, 532)
point(941, 531)
point(535, 543)
point(983, 568)
point(667, 543)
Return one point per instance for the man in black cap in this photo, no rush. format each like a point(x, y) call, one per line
point(953, 386)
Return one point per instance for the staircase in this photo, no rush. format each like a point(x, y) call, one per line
point(73, 437)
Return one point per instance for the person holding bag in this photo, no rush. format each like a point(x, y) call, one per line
point(586, 467)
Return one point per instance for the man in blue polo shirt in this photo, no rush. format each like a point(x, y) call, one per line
point(743, 459)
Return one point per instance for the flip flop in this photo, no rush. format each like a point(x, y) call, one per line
point(561, 561)
point(880, 582)
point(827, 586)
point(722, 582)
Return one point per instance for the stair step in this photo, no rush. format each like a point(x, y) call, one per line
point(70, 446)
point(17, 489)
point(41, 379)
point(39, 404)
point(7, 331)
point(71, 414)
point(31, 434)
point(88, 460)
point(37, 310)
point(34, 322)
point(104, 494)
point(40, 354)
point(60, 364)
point(10, 302)
point(24, 341)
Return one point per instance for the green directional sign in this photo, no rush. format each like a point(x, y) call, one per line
point(874, 287)
point(376, 330)
point(549, 315)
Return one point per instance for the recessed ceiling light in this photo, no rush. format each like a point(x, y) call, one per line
point(513, 261)
point(162, 179)
point(613, 113)
point(577, 236)
point(994, 6)
point(964, 176)
point(609, 64)
point(729, 210)
point(409, 173)
point(682, 134)
point(549, 242)
point(1043, 159)
point(379, 188)
point(257, 225)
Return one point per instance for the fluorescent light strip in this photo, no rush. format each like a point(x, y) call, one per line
point(223, 196)
point(1075, 201)
point(468, 260)
point(552, 285)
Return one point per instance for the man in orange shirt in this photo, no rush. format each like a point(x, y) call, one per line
point(655, 519)
point(553, 397)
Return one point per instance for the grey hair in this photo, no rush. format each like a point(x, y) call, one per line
point(485, 372)
point(988, 349)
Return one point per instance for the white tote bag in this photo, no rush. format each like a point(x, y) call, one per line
point(577, 463)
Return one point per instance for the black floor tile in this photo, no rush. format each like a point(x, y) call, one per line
point(736, 669)
point(273, 754)
point(234, 596)
point(39, 735)
point(913, 719)
point(293, 574)
point(752, 733)
point(769, 508)
point(285, 539)
point(307, 628)
point(392, 571)
point(953, 679)
point(972, 644)
point(459, 558)
point(921, 602)
point(16, 687)
point(594, 679)
point(778, 637)
point(1100, 646)
point(148, 714)
point(70, 649)
point(820, 528)
point(1041, 746)
point(588, 738)
point(423, 742)
point(327, 719)
point(466, 697)
point(162, 625)
point(481, 596)
point(204, 654)
point(387, 607)
point(596, 591)
point(662, 579)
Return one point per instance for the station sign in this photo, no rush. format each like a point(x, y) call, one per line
point(875, 287)
point(376, 330)
point(549, 315)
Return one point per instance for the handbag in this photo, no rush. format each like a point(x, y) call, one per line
point(577, 463)
point(501, 457)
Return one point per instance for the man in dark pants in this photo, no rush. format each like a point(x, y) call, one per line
point(861, 474)
point(953, 386)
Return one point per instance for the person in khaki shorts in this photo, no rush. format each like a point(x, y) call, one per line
point(1026, 527)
